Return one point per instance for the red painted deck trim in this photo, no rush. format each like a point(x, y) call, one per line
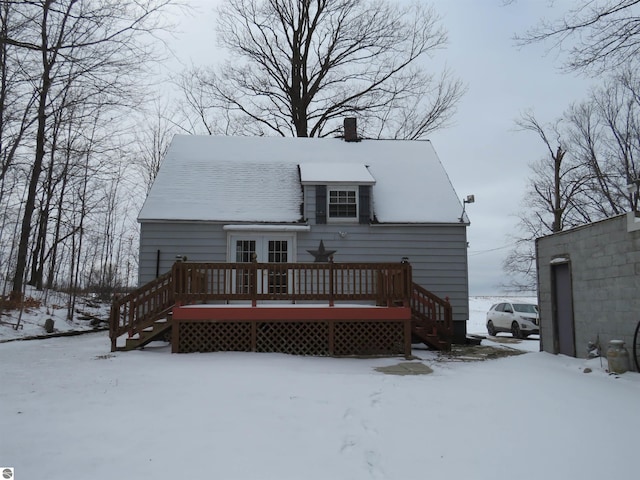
point(289, 313)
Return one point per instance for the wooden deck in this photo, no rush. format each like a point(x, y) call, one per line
point(309, 309)
point(294, 329)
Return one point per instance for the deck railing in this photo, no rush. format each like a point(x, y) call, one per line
point(384, 283)
point(191, 282)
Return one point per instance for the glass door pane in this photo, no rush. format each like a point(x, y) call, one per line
point(245, 249)
point(277, 252)
point(245, 252)
point(275, 249)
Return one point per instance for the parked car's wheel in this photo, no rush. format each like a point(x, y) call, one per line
point(491, 330)
point(515, 330)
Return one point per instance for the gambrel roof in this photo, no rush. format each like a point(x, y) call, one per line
point(260, 179)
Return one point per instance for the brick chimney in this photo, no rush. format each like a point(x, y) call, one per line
point(350, 130)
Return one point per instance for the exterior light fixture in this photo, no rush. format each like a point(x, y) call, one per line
point(469, 199)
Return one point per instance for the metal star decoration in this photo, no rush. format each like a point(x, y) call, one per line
point(321, 255)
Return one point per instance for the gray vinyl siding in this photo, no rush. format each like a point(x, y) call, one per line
point(199, 242)
point(437, 253)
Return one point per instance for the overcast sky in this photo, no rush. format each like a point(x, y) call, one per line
point(483, 152)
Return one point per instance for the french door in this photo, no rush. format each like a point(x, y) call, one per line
point(270, 248)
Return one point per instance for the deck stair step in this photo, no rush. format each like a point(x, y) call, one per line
point(430, 338)
point(431, 319)
point(160, 330)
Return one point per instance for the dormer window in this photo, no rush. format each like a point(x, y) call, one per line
point(342, 203)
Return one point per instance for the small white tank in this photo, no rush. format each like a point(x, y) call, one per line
point(617, 357)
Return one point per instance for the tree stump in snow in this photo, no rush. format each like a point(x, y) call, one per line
point(48, 325)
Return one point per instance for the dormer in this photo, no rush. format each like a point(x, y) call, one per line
point(342, 191)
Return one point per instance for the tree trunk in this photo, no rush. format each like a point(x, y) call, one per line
point(557, 199)
point(29, 206)
point(36, 169)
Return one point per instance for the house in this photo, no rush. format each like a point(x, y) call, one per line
point(589, 285)
point(308, 200)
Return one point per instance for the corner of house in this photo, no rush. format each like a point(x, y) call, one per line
point(633, 222)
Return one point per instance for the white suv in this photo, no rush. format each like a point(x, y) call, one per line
point(521, 319)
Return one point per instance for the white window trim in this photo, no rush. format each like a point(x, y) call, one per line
point(342, 188)
point(259, 228)
point(261, 236)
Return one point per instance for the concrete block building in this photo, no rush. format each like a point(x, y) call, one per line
point(589, 285)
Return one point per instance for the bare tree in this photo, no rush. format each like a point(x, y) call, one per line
point(592, 157)
point(153, 139)
point(591, 141)
point(598, 35)
point(16, 97)
point(520, 263)
point(557, 180)
point(298, 66)
point(552, 200)
point(96, 47)
point(200, 112)
point(619, 106)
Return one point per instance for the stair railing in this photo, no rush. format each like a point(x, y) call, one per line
point(430, 311)
point(141, 308)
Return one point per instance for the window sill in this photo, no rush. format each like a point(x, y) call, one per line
point(353, 221)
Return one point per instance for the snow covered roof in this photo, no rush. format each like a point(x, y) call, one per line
point(258, 179)
point(325, 174)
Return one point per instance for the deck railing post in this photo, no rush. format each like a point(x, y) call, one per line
point(408, 283)
point(169, 291)
point(131, 312)
point(448, 314)
point(253, 280)
point(331, 282)
point(114, 318)
point(178, 281)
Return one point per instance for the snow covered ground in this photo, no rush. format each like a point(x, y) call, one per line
point(89, 314)
point(71, 409)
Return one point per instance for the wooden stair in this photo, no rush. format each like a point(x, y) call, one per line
point(138, 312)
point(160, 330)
point(429, 337)
point(431, 319)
